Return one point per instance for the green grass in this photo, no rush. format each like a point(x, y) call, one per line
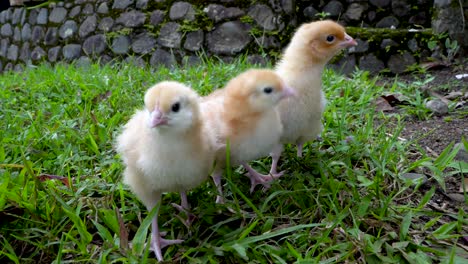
point(345, 201)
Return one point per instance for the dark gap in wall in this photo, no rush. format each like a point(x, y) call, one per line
point(4, 4)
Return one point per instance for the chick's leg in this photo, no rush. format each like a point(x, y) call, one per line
point(217, 181)
point(184, 207)
point(157, 242)
point(184, 200)
point(275, 156)
point(258, 178)
point(299, 149)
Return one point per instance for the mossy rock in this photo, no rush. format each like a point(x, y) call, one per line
point(379, 34)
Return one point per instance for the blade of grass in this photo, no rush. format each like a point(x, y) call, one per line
point(10, 252)
point(269, 235)
point(405, 225)
point(85, 236)
point(142, 232)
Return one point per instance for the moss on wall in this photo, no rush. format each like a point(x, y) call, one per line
point(379, 34)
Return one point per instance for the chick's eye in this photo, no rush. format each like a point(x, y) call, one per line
point(267, 90)
point(330, 38)
point(175, 107)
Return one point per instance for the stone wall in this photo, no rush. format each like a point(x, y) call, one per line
point(166, 32)
point(449, 16)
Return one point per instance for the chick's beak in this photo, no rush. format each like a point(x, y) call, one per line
point(157, 118)
point(288, 92)
point(349, 41)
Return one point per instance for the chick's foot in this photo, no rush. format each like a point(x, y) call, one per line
point(257, 178)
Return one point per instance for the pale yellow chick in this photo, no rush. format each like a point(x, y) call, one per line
point(301, 67)
point(244, 114)
point(166, 147)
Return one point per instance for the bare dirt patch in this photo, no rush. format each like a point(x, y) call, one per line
point(435, 134)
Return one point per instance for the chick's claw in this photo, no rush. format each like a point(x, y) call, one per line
point(219, 199)
point(190, 217)
point(165, 242)
point(157, 242)
point(257, 178)
point(217, 181)
point(265, 180)
point(157, 246)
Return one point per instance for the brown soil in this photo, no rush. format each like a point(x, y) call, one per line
point(432, 136)
point(435, 134)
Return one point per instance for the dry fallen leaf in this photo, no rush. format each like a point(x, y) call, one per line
point(102, 97)
point(433, 65)
point(437, 95)
point(94, 118)
point(461, 104)
point(45, 177)
point(395, 99)
point(122, 230)
point(454, 95)
point(382, 105)
point(464, 185)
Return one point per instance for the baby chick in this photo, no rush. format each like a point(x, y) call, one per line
point(301, 66)
point(244, 114)
point(166, 147)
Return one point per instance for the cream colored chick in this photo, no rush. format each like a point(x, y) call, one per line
point(166, 147)
point(244, 114)
point(301, 67)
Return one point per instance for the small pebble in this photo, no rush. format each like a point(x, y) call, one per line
point(415, 176)
point(437, 106)
point(462, 154)
point(457, 197)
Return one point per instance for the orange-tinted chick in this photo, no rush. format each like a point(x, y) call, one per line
point(244, 114)
point(301, 67)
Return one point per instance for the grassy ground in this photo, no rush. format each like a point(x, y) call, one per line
point(62, 200)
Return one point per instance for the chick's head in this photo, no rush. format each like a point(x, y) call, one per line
point(321, 40)
point(171, 105)
point(260, 89)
